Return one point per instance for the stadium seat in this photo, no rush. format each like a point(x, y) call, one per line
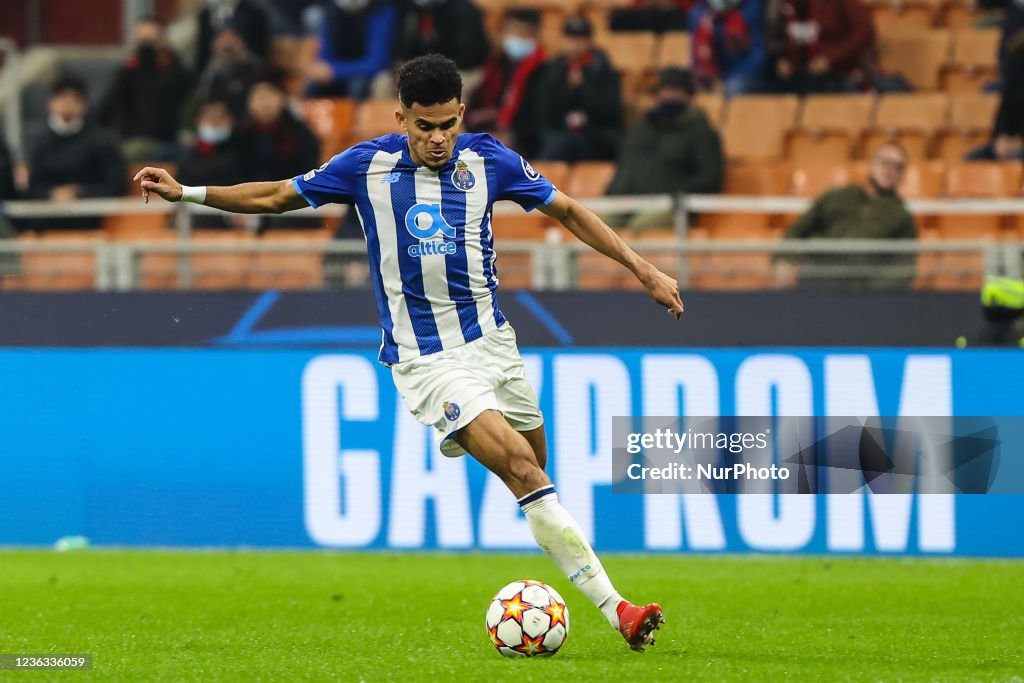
point(222, 269)
point(828, 127)
point(131, 226)
point(974, 60)
point(913, 119)
point(290, 269)
point(632, 53)
point(514, 268)
point(896, 16)
point(918, 56)
point(924, 180)
point(62, 269)
point(732, 271)
point(331, 120)
point(766, 180)
point(812, 179)
point(960, 14)
point(714, 106)
point(598, 272)
point(674, 50)
point(590, 178)
point(979, 180)
point(756, 126)
point(555, 171)
point(373, 118)
point(552, 19)
point(971, 116)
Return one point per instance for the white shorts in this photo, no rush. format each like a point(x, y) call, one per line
point(449, 389)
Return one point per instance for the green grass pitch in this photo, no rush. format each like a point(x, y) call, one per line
point(247, 616)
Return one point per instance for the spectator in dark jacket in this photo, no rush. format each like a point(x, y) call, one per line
point(215, 158)
point(819, 46)
point(247, 18)
point(144, 103)
point(728, 45)
point(579, 100)
point(230, 72)
point(873, 210)
point(453, 28)
point(1007, 141)
point(72, 158)
point(275, 143)
point(503, 103)
point(7, 188)
point(355, 46)
point(673, 149)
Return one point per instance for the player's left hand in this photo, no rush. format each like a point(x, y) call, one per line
point(664, 290)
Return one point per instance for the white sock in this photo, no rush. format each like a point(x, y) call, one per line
point(558, 534)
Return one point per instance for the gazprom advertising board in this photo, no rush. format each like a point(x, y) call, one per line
point(288, 448)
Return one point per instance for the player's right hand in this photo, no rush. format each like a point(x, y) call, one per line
point(159, 181)
point(664, 290)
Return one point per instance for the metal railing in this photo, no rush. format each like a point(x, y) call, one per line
point(554, 263)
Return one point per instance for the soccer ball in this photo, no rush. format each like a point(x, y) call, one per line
point(527, 619)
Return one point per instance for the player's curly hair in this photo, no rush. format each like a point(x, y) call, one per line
point(427, 80)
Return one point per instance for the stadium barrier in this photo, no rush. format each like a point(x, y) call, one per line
point(554, 262)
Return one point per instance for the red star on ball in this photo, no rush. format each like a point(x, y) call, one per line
point(557, 613)
point(531, 646)
point(514, 608)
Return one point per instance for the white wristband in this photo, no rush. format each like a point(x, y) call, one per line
point(196, 195)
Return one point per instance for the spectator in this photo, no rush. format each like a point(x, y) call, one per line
point(230, 72)
point(144, 102)
point(870, 211)
point(503, 102)
point(72, 158)
point(249, 19)
point(215, 158)
point(819, 46)
point(673, 149)
point(728, 45)
point(355, 46)
point(7, 187)
point(453, 28)
point(1007, 141)
point(652, 15)
point(579, 100)
point(275, 143)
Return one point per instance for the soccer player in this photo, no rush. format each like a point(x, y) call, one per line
point(424, 201)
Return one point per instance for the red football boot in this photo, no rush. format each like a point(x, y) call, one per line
point(638, 624)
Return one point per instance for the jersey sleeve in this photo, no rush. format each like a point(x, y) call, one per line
point(517, 181)
point(332, 183)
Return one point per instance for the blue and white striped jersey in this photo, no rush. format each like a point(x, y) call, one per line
point(428, 234)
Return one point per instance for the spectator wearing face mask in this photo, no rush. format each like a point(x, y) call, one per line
point(728, 45)
point(73, 158)
point(215, 158)
point(453, 28)
point(275, 143)
point(144, 103)
point(355, 46)
point(673, 149)
point(579, 100)
point(503, 103)
point(230, 72)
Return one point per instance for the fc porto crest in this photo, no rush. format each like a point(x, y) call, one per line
point(451, 411)
point(462, 177)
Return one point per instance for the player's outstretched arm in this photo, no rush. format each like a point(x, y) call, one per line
point(273, 197)
point(592, 231)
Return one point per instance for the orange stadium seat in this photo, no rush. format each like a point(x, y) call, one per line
point(599, 272)
point(979, 180)
point(222, 269)
point(752, 180)
point(899, 16)
point(514, 269)
point(924, 180)
point(290, 269)
point(971, 116)
point(551, 21)
point(829, 127)
point(533, 225)
point(812, 179)
point(590, 178)
point(733, 270)
point(918, 56)
point(331, 120)
point(58, 270)
point(631, 53)
point(959, 14)
point(974, 60)
point(674, 50)
point(911, 118)
point(714, 106)
point(756, 125)
point(374, 118)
